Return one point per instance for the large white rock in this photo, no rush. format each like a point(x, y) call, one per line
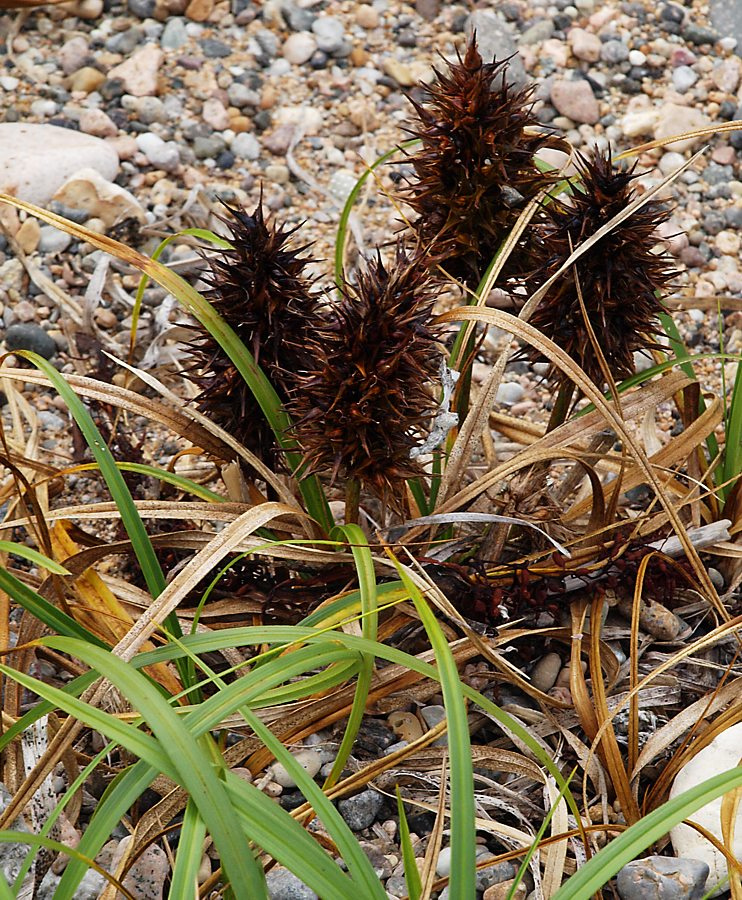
point(36, 160)
point(722, 754)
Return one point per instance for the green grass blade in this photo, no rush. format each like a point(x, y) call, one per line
point(537, 839)
point(627, 846)
point(32, 556)
point(342, 234)
point(117, 799)
point(178, 481)
point(369, 624)
point(359, 866)
point(130, 517)
point(171, 749)
point(733, 433)
point(462, 883)
point(190, 852)
point(43, 610)
point(411, 871)
point(282, 636)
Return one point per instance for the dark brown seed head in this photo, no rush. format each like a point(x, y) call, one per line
point(621, 279)
point(367, 400)
point(260, 290)
point(474, 172)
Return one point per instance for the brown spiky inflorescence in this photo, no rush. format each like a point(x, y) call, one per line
point(620, 278)
point(260, 290)
point(367, 400)
point(475, 171)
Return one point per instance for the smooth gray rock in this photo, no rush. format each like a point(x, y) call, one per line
point(284, 885)
point(662, 878)
point(726, 18)
point(496, 40)
point(27, 336)
point(174, 34)
point(361, 810)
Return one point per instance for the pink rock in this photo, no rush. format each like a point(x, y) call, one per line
point(682, 56)
point(73, 54)
point(724, 155)
point(139, 71)
point(575, 100)
point(675, 119)
point(585, 45)
point(215, 115)
point(96, 122)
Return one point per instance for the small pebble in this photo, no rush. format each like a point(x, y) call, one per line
point(309, 759)
point(360, 811)
point(662, 878)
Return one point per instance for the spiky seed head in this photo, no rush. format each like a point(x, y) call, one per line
point(260, 289)
point(367, 400)
point(475, 171)
point(621, 277)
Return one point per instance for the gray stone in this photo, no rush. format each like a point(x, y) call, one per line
point(361, 810)
point(215, 49)
point(614, 52)
point(246, 146)
point(699, 34)
point(284, 885)
point(330, 34)
point(143, 9)
point(298, 19)
point(726, 18)
point(541, 31)
point(268, 42)
point(36, 160)
point(174, 35)
point(27, 336)
point(208, 147)
point(240, 95)
point(89, 887)
point(125, 41)
point(495, 874)
point(496, 41)
point(683, 78)
point(662, 878)
point(53, 240)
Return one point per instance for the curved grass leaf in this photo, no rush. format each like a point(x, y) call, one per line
point(190, 853)
point(369, 623)
point(33, 556)
point(628, 845)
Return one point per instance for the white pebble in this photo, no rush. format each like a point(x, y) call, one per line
point(309, 760)
point(637, 58)
point(510, 392)
point(670, 162)
point(299, 47)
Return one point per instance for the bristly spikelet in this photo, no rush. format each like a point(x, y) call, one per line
point(621, 279)
point(259, 288)
point(474, 172)
point(367, 400)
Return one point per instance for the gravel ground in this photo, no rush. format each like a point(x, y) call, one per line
point(170, 105)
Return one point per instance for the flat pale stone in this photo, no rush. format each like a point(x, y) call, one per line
point(722, 754)
point(675, 119)
point(36, 160)
point(102, 199)
point(139, 71)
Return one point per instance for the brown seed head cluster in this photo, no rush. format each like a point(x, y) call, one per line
point(474, 172)
point(367, 401)
point(621, 279)
point(260, 290)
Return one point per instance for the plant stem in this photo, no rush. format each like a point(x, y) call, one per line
point(352, 501)
point(561, 406)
